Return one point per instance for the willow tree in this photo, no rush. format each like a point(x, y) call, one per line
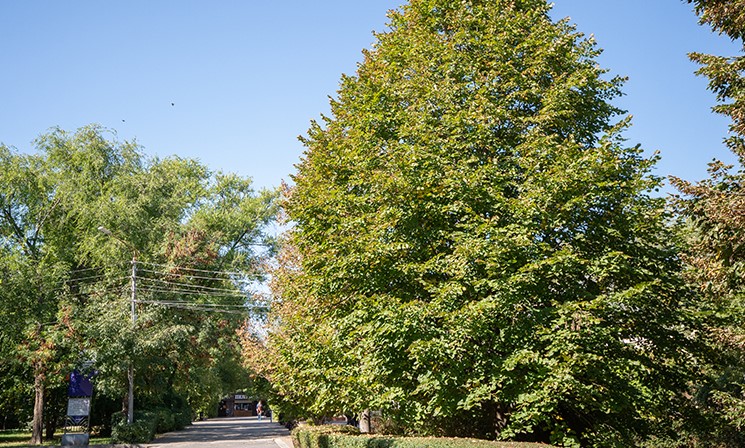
point(477, 250)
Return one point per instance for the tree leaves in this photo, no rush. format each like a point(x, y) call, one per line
point(475, 243)
point(711, 224)
point(199, 239)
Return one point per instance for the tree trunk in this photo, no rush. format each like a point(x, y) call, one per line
point(50, 427)
point(53, 410)
point(38, 423)
point(365, 424)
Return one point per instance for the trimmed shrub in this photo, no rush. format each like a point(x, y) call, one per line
point(331, 436)
point(313, 436)
point(181, 418)
point(147, 423)
point(141, 430)
point(165, 420)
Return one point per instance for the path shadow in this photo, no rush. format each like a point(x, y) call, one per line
point(222, 430)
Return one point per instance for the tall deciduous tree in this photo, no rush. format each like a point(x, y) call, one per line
point(37, 251)
point(475, 249)
point(195, 234)
point(713, 211)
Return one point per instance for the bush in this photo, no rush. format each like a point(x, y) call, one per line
point(331, 436)
point(181, 418)
point(165, 420)
point(141, 430)
point(314, 436)
point(149, 422)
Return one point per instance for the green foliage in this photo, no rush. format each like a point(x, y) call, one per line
point(475, 250)
point(38, 243)
point(712, 225)
point(139, 431)
point(331, 436)
point(66, 286)
point(15, 409)
point(724, 16)
point(167, 420)
point(148, 423)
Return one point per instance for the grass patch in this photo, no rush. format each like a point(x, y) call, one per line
point(17, 438)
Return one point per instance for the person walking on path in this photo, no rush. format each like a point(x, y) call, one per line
point(259, 410)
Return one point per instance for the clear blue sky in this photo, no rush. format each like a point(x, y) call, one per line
point(246, 77)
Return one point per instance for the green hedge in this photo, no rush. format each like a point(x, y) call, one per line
point(315, 436)
point(141, 430)
point(331, 436)
point(148, 423)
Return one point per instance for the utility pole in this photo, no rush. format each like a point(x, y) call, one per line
point(131, 369)
point(131, 373)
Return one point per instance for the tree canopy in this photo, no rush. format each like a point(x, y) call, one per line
point(199, 240)
point(713, 218)
point(475, 249)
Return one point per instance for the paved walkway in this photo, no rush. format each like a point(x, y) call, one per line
point(227, 433)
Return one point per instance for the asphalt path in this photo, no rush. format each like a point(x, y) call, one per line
point(231, 432)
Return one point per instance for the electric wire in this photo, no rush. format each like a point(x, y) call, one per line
point(190, 276)
point(149, 284)
point(72, 271)
point(194, 307)
point(80, 279)
point(66, 287)
point(147, 288)
point(235, 273)
point(207, 305)
point(196, 287)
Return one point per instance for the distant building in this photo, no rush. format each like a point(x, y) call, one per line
point(237, 405)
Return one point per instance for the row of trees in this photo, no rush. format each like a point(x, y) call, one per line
point(65, 287)
point(476, 251)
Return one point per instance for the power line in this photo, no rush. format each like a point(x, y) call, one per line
point(236, 273)
point(75, 271)
point(155, 289)
point(63, 288)
point(208, 305)
point(191, 276)
point(80, 279)
point(154, 286)
point(188, 285)
point(193, 307)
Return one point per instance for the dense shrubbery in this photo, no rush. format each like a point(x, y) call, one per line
point(148, 423)
point(330, 436)
point(141, 430)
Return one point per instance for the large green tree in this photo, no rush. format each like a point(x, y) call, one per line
point(475, 250)
point(37, 253)
point(199, 241)
point(713, 215)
